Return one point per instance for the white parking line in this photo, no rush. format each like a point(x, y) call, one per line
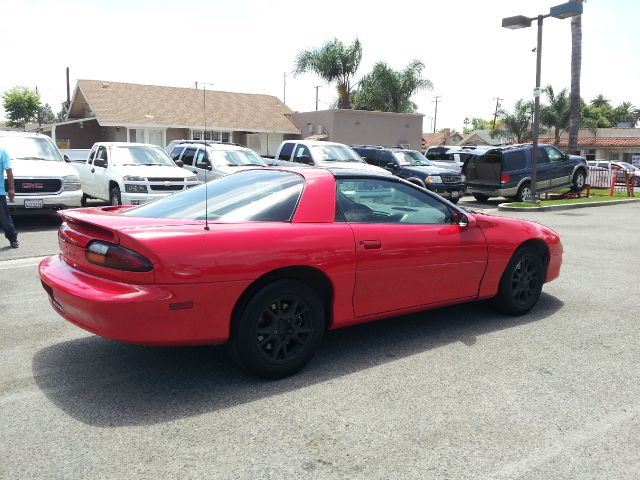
point(21, 262)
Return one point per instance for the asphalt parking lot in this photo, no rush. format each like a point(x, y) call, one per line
point(458, 392)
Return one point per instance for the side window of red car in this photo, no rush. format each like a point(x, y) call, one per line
point(363, 200)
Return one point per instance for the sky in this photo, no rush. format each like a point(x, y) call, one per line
point(248, 46)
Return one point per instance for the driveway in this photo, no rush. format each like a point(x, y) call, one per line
point(459, 392)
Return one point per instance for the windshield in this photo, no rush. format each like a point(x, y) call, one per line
point(140, 155)
point(627, 166)
point(252, 195)
point(237, 158)
point(334, 153)
point(411, 157)
point(31, 148)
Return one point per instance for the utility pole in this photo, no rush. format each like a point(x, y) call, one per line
point(284, 88)
point(317, 87)
point(495, 115)
point(435, 116)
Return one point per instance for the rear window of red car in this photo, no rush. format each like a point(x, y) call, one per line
point(249, 196)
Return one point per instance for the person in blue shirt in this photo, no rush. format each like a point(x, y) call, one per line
point(5, 218)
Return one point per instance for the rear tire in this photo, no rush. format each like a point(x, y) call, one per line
point(480, 197)
point(578, 181)
point(454, 200)
point(523, 192)
point(114, 197)
point(278, 330)
point(521, 282)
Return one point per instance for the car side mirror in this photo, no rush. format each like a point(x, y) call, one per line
point(391, 166)
point(463, 220)
point(100, 162)
point(179, 163)
point(66, 158)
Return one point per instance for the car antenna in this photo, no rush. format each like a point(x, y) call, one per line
point(204, 137)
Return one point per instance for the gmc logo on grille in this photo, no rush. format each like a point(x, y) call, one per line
point(32, 186)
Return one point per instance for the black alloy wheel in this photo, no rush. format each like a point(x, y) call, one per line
point(278, 330)
point(521, 283)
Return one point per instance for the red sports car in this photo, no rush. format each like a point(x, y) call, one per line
point(269, 259)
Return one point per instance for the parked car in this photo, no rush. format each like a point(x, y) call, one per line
point(506, 171)
point(131, 173)
point(269, 259)
point(173, 143)
point(416, 168)
point(42, 179)
point(623, 169)
point(212, 160)
point(294, 153)
point(446, 156)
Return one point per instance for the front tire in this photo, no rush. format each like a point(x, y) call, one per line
point(521, 283)
point(579, 180)
point(480, 197)
point(278, 330)
point(115, 198)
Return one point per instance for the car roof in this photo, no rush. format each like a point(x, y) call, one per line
point(14, 133)
point(316, 143)
point(213, 146)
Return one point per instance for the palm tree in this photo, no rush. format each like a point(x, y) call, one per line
point(388, 90)
point(627, 113)
point(599, 101)
point(516, 125)
point(556, 113)
point(333, 62)
point(576, 64)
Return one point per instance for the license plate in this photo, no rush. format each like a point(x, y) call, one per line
point(455, 194)
point(36, 203)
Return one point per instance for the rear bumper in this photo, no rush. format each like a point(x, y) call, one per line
point(185, 314)
point(491, 191)
point(553, 269)
point(66, 199)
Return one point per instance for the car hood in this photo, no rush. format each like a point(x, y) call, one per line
point(430, 170)
point(354, 166)
point(228, 169)
point(162, 171)
point(41, 168)
point(446, 165)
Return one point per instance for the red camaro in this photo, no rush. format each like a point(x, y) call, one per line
point(269, 259)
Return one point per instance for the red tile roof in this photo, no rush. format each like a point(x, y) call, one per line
point(597, 141)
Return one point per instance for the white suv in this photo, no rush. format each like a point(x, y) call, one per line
point(44, 181)
point(214, 160)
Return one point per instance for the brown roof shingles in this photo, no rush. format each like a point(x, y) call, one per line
point(126, 103)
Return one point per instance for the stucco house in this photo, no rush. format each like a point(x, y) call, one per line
point(126, 112)
point(615, 144)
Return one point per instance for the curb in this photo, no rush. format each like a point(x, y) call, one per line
point(569, 206)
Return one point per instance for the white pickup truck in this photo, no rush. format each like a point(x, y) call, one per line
point(131, 174)
point(43, 180)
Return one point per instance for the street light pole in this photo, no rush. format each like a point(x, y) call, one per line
point(535, 198)
point(566, 10)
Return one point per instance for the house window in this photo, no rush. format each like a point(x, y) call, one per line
point(591, 154)
point(211, 135)
point(614, 156)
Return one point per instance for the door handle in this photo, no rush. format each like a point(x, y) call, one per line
point(93, 170)
point(371, 244)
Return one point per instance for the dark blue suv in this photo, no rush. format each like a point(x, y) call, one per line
point(416, 168)
point(506, 171)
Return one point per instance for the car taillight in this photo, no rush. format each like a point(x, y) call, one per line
point(116, 257)
point(505, 178)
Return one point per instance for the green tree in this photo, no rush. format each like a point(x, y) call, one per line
point(556, 113)
point(626, 113)
point(600, 101)
point(61, 116)
point(389, 90)
point(516, 125)
point(333, 62)
point(21, 106)
point(46, 115)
